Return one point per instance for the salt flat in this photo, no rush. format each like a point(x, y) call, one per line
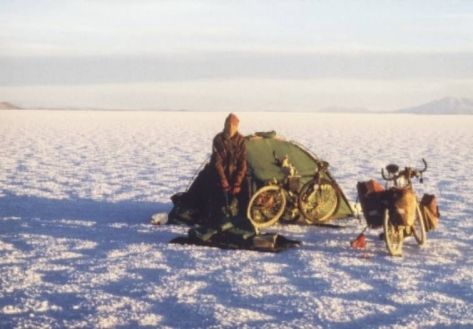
point(77, 190)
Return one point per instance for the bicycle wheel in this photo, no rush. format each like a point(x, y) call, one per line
point(393, 236)
point(266, 206)
point(318, 202)
point(419, 228)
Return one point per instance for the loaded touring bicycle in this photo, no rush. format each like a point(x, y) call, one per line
point(396, 207)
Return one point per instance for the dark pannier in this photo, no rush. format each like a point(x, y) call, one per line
point(370, 194)
point(430, 211)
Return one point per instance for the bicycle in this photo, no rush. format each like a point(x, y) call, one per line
point(284, 200)
point(402, 215)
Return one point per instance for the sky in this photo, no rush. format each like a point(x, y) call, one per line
point(235, 55)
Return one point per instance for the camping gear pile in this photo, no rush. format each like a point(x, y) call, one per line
point(267, 159)
point(233, 229)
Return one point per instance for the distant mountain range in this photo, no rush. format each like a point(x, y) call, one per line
point(447, 105)
point(8, 106)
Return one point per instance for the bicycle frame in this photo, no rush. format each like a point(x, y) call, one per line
point(308, 200)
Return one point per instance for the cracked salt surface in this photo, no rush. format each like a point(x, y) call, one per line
point(77, 191)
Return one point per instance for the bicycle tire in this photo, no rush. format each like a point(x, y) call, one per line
point(393, 236)
point(419, 227)
point(266, 206)
point(318, 203)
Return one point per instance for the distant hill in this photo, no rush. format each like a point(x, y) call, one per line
point(448, 105)
point(8, 106)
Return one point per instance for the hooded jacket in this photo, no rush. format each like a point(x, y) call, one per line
point(228, 159)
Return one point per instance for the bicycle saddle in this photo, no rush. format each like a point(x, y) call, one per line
point(392, 168)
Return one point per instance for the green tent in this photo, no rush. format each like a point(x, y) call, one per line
point(263, 152)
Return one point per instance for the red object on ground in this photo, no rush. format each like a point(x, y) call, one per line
point(359, 242)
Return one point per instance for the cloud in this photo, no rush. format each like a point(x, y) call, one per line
point(233, 65)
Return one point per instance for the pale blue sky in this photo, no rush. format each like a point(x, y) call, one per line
point(235, 55)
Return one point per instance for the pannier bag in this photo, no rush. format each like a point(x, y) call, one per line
point(430, 211)
point(370, 194)
point(404, 203)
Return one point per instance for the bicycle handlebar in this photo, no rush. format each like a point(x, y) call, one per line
point(407, 173)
